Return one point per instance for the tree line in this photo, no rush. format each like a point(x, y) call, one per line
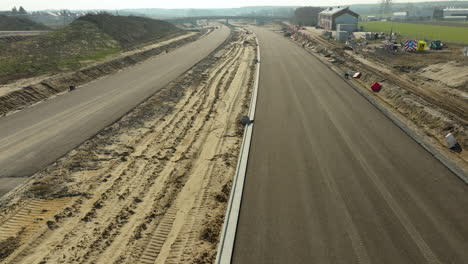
point(18, 11)
point(307, 16)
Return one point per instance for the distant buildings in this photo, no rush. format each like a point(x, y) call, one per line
point(331, 17)
point(49, 17)
point(400, 16)
point(459, 14)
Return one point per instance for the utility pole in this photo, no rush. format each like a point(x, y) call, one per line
point(385, 6)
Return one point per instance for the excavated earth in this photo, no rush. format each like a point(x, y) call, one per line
point(151, 188)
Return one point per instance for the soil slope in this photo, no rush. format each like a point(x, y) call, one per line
point(12, 23)
point(132, 30)
point(89, 38)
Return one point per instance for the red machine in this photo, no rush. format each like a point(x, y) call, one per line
point(376, 87)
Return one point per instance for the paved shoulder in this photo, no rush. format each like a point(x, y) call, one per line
point(331, 180)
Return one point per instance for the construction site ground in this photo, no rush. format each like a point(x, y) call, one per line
point(153, 187)
point(429, 89)
point(150, 188)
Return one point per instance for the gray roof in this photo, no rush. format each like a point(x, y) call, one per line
point(332, 10)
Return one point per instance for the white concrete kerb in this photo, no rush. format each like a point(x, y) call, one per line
point(228, 233)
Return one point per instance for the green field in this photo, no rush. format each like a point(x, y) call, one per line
point(420, 31)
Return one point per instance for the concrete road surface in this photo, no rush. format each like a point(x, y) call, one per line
point(37, 136)
point(6, 184)
point(331, 180)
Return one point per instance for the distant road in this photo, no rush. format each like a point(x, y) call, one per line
point(440, 23)
point(37, 136)
point(331, 180)
point(22, 33)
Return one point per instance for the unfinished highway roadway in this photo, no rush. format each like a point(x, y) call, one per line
point(331, 180)
point(36, 136)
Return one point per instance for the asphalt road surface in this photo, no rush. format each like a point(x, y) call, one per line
point(331, 180)
point(22, 33)
point(36, 136)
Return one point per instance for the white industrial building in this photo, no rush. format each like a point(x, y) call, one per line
point(455, 14)
point(400, 16)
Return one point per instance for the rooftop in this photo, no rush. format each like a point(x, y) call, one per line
point(335, 10)
point(456, 9)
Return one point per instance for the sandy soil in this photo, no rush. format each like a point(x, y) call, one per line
point(453, 74)
point(152, 188)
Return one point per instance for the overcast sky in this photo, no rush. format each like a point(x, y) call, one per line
point(121, 4)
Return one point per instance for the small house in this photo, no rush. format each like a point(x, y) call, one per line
point(330, 17)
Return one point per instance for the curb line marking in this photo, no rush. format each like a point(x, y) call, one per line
point(228, 235)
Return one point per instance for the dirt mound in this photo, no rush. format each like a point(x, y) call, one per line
point(88, 39)
point(130, 31)
point(12, 23)
point(61, 50)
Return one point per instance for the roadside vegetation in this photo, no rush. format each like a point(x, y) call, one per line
point(307, 16)
point(419, 31)
point(89, 38)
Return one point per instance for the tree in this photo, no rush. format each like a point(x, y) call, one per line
point(14, 11)
point(438, 13)
point(22, 11)
point(385, 7)
point(307, 16)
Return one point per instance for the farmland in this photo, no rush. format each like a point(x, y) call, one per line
point(420, 31)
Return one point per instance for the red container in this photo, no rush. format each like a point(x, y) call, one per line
point(376, 87)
